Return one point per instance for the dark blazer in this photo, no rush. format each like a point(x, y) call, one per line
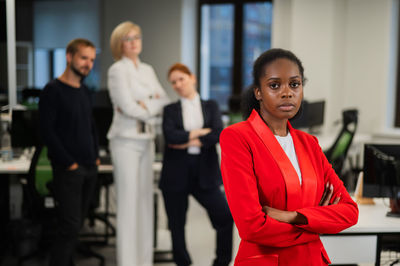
point(174, 174)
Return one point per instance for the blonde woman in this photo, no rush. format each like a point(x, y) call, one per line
point(137, 98)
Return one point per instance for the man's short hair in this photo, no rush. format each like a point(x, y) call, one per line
point(73, 45)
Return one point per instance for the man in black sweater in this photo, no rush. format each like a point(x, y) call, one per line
point(69, 133)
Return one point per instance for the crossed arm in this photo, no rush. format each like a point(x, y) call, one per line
point(294, 217)
point(269, 226)
point(179, 138)
point(194, 139)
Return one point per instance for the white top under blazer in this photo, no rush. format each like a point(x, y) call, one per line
point(128, 84)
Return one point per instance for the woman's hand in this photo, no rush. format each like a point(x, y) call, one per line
point(196, 133)
point(142, 104)
point(293, 217)
point(327, 196)
point(192, 142)
point(195, 142)
point(178, 146)
point(290, 217)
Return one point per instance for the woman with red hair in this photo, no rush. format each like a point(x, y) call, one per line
point(191, 128)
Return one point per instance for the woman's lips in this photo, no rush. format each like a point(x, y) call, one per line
point(286, 107)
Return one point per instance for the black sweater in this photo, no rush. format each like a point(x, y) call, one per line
point(67, 125)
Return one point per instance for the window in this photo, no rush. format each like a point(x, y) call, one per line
point(232, 35)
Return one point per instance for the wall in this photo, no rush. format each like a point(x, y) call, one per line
point(165, 35)
point(58, 22)
point(345, 46)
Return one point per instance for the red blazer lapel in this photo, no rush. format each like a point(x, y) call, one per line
point(293, 189)
point(308, 175)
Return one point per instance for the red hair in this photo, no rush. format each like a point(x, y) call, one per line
point(179, 67)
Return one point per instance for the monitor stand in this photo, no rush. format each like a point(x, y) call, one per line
point(394, 208)
point(358, 193)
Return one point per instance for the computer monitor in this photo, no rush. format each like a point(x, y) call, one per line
point(310, 115)
point(102, 119)
point(102, 113)
point(24, 129)
point(382, 173)
point(315, 113)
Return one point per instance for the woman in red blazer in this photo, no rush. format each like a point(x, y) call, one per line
point(281, 190)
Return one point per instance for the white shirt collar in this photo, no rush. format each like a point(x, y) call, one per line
point(127, 59)
point(196, 99)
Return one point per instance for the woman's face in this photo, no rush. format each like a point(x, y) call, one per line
point(132, 44)
point(281, 90)
point(184, 84)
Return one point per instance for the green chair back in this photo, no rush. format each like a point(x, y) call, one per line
point(342, 145)
point(43, 173)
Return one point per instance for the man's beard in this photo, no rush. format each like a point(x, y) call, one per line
point(78, 73)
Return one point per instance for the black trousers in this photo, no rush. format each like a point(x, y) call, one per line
point(73, 192)
point(214, 201)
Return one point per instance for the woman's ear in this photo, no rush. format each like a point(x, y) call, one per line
point(257, 94)
point(193, 77)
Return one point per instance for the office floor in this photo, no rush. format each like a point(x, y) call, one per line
point(200, 239)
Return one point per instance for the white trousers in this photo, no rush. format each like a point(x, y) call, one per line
point(133, 175)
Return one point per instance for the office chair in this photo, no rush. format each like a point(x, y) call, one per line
point(337, 153)
point(30, 97)
point(102, 114)
point(40, 206)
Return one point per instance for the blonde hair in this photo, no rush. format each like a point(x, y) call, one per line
point(116, 37)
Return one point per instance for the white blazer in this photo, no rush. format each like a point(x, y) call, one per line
point(128, 84)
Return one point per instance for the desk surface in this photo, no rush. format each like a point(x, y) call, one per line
point(21, 166)
point(16, 166)
point(373, 219)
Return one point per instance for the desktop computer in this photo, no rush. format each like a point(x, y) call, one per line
point(310, 116)
point(24, 130)
point(382, 174)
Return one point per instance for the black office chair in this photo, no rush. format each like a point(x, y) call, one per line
point(40, 206)
point(337, 153)
point(29, 97)
point(102, 114)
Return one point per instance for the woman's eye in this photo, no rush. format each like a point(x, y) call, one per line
point(294, 84)
point(274, 85)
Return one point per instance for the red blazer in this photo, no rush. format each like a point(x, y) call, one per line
point(257, 172)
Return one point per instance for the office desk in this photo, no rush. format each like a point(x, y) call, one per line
point(21, 166)
point(362, 242)
point(16, 166)
point(9, 172)
point(11, 191)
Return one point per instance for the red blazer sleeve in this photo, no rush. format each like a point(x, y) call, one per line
point(240, 182)
point(333, 218)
